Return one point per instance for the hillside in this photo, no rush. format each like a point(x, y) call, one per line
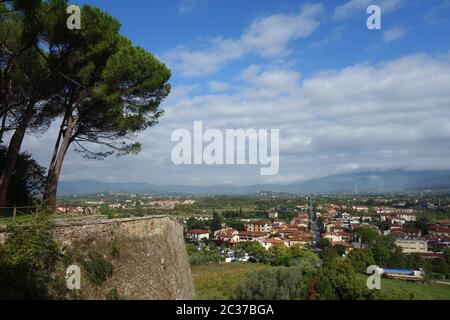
point(362, 182)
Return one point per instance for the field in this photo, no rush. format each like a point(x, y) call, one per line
point(430, 291)
point(4, 221)
point(220, 281)
point(427, 291)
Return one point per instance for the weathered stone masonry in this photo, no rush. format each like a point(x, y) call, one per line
point(155, 263)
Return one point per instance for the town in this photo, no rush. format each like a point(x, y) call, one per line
point(338, 225)
point(406, 234)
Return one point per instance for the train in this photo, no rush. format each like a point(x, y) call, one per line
point(409, 275)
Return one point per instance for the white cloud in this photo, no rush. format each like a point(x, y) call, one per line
point(392, 115)
point(267, 37)
point(439, 13)
point(351, 7)
point(219, 86)
point(186, 6)
point(394, 34)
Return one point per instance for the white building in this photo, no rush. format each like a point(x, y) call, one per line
point(197, 235)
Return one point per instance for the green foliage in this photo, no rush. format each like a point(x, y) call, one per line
point(197, 257)
point(328, 254)
point(360, 259)
point(324, 289)
point(105, 210)
point(384, 250)
point(114, 247)
point(235, 224)
point(204, 256)
point(220, 281)
point(421, 224)
point(253, 247)
point(340, 249)
point(281, 283)
point(193, 223)
point(27, 182)
point(340, 274)
point(191, 249)
point(28, 260)
point(290, 256)
point(367, 235)
point(216, 223)
point(98, 269)
point(113, 294)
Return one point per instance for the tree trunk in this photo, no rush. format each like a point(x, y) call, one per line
point(2, 129)
point(13, 152)
point(54, 171)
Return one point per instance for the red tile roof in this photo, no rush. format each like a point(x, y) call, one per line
point(252, 234)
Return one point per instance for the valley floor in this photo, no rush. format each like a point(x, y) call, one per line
point(220, 281)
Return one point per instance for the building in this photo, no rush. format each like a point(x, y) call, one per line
point(273, 215)
point(271, 242)
point(335, 237)
point(252, 236)
point(347, 246)
point(406, 233)
point(432, 255)
point(197, 235)
point(298, 240)
point(227, 236)
point(258, 226)
point(412, 245)
point(440, 231)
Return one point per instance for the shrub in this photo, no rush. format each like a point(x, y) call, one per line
point(280, 283)
point(360, 259)
point(204, 257)
point(98, 268)
point(28, 260)
point(113, 294)
point(114, 247)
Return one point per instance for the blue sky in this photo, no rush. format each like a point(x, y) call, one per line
point(159, 26)
point(344, 97)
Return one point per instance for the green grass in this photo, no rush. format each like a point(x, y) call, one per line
point(427, 291)
point(19, 219)
point(220, 281)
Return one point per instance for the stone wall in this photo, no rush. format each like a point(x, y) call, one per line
point(153, 262)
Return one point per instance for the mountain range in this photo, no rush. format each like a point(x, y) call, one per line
point(359, 182)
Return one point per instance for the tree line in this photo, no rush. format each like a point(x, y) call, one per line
point(93, 84)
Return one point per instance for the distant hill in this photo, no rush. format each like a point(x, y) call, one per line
point(362, 182)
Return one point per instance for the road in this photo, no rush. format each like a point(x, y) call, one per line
point(314, 230)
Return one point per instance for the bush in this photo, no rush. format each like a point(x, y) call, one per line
point(344, 281)
point(113, 294)
point(290, 256)
point(360, 259)
point(28, 260)
point(98, 268)
point(114, 247)
point(280, 283)
point(204, 257)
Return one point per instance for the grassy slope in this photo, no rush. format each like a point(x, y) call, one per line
point(429, 291)
point(220, 281)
